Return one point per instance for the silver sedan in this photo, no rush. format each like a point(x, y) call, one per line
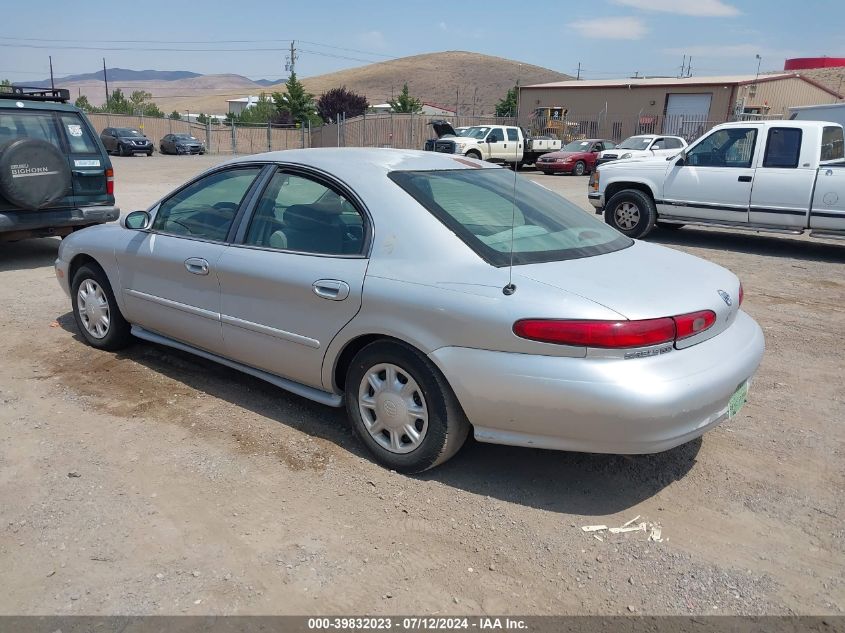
point(430, 295)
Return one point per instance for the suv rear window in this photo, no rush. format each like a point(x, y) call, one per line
point(78, 135)
point(489, 212)
point(40, 125)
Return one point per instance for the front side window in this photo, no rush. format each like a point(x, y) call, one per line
point(833, 147)
point(298, 213)
point(78, 136)
point(40, 125)
point(729, 147)
point(206, 208)
point(783, 147)
point(488, 210)
point(496, 135)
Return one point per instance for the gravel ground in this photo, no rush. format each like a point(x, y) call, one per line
point(152, 482)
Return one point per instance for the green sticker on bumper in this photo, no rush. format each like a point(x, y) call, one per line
point(737, 400)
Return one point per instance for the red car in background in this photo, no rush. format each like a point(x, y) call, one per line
point(577, 157)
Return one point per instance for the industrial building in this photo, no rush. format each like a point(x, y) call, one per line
point(684, 106)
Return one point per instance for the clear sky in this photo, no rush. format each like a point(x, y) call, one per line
point(610, 38)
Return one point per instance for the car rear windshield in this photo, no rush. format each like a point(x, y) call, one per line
point(490, 209)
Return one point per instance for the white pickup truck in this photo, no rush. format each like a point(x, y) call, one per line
point(778, 175)
point(507, 144)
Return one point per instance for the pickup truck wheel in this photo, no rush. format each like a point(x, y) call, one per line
point(580, 168)
point(473, 154)
point(631, 212)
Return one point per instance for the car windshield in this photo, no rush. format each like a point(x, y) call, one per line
point(635, 142)
point(126, 131)
point(476, 132)
point(184, 137)
point(490, 209)
point(577, 146)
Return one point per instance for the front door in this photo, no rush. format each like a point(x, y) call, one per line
point(497, 145)
point(714, 181)
point(169, 273)
point(294, 278)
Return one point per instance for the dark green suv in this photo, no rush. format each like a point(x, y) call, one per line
point(55, 174)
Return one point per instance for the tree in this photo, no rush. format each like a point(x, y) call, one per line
point(508, 105)
point(83, 104)
point(295, 101)
point(175, 115)
point(5, 86)
point(405, 103)
point(203, 118)
point(340, 101)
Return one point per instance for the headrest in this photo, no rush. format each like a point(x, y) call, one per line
point(308, 216)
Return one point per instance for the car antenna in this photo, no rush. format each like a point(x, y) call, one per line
point(510, 288)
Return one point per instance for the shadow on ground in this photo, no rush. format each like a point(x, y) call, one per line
point(28, 254)
point(752, 243)
point(573, 483)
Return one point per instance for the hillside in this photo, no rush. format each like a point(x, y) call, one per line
point(442, 78)
point(119, 75)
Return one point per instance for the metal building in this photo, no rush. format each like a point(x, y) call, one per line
point(685, 106)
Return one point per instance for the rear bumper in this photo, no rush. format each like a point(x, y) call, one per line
point(14, 221)
point(603, 405)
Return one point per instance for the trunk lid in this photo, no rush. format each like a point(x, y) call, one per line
point(645, 281)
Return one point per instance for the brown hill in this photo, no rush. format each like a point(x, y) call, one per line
point(473, 80)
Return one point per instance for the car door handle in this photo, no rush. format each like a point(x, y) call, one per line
point(196, 265)
point(331, 289)
point(744, 179)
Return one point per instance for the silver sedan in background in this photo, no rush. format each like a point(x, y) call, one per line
point(431, 295)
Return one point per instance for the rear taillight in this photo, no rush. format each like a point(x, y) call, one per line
point(741, 293)
point(687, 325)
point(597, 333)
point(110, 182)
point(615, 334)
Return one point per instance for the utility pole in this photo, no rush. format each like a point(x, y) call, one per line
point(689, 66)
point(457, 100)
point(52, 83)
point(106, 80)
point(683, 66)
point(578, 77)
point(290, 65)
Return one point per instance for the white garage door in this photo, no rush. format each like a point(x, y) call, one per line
point(686, 113)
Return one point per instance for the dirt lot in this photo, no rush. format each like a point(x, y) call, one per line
point(151, 482)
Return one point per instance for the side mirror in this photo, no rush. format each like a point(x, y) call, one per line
point(136, 221)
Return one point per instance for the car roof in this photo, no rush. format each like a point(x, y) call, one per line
point(12, 104)
point(346, 162)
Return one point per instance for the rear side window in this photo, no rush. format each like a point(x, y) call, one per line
point(78, 136)
point(672, 143)
point(783, 147)
point(40, 125)
point(833, 147)
point(512, 134)
point(490, 212)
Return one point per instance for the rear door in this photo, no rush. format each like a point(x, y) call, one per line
point(88, 162)
point(828, 206)
point(783, 182)
point(39, 124)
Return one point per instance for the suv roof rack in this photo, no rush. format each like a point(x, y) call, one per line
point(60, 95)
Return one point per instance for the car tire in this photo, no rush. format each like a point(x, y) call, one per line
point(631, 212)
point(149, 154)
point(580, 168)
point(92, 298)
point(473, 154)
point(373, 397)
point(670, 226)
